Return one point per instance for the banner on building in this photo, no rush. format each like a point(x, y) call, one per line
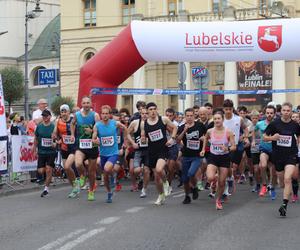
point(254, 76)
point(3, 131)
point(3, 155)
point(23, 157)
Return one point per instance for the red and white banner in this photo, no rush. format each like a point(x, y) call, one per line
point(3, 130)
point(23, 158)
point(217, 41)
point(3, 155)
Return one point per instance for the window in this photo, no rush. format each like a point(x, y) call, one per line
point(90, 16)
point(173, 102)
point(172, 7)
point(88, 56)
point(35, 75)
point(219, 5)
point(128, 9)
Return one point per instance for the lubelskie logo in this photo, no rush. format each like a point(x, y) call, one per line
point(270, 37)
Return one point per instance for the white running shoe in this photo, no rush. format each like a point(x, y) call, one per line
point(170, 190)
point(143, 193)
point(160, 200)
point(166, 188)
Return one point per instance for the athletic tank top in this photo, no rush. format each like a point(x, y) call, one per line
point(137, 138)
point(64, 132)
point(83, 138)
point(157, 135)
point(107, 134)
point(216, 141)
point(234, 124)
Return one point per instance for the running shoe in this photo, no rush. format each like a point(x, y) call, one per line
point(273, 194)
point(219, 205)
point(224, 198)
point(200, 186)
point(170, 190)
point(195, 193)
point(242, 179)
point(187, 200)
point(91, 196)
point(282, 210)
point(212, 194)
point(269, 187)
point(166, 188)
point(82, 180)
point(160, 200)
point(143, 193)
point(109, 197)
point(44, 193)
point(294, 198)
point(86, 186)
point(263, 191)
point(118, 187)
point(207, 185)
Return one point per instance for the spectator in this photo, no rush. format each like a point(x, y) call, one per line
point(37, 114)
point(14, 128)
point(137, 115)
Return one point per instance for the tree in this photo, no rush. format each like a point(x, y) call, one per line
point(13, 87)
point(60, 100)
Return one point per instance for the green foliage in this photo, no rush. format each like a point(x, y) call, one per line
point(60, 100)
point(13, 87)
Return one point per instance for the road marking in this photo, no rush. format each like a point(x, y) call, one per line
point(108, 220)
point(179, 195)
point(178, 192)
point(62, 240)
point(71, 244)
point(134, 209)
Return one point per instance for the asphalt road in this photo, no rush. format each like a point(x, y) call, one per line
point(29, 222)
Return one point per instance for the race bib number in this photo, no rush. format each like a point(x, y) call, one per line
point(156, 135)
point(194, 145)
point(85, 143)
point(218, 148)
point(284, 141)
point(46, 142)
point(67, 139)
point(143, 144)
point(255, 149)
point(119, 139)
point(107, 141)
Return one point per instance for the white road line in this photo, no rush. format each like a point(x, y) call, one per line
point(178, 192)
point(134, 209)
point(71, 244)
point(108, 220)
point(62, 240)
point(179, 195)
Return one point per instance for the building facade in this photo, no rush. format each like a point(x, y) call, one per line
point(88, 25)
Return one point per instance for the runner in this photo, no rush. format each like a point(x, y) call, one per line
point(46, 148)
point(190, 134)
point(84, 120)
point(295, 183)
point(284, 135)
point(220, 139)
point(155, 129)
point(105, 134)
point(141, 156)
point(266, 154)
point(66, 140)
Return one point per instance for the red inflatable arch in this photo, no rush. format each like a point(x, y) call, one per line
point(141, 42)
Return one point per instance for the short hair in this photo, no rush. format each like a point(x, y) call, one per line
point(278, 107)
point(189, 110)
point(106, 107)
point(242, 108)
point(254, 112)
point(218, 111)
point(124, 110)
point(287, 104)
point(151, 104)
point(228, 103)
point(170, 110)
point(86, 96)
point(196, 107)
point(140, 104)
point(114, 111)
point(208, 104)
point(270, 107)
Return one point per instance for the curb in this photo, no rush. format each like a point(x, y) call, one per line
point(31, 189)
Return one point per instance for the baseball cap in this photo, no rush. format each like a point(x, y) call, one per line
point(64, 107)
point(46, 112)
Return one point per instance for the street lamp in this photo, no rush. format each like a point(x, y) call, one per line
point(29, 15)
point(55, 48)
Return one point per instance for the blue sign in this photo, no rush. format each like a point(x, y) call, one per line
point(47, 76)
point(199, 72)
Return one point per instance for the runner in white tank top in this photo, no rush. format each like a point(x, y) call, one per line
point(218, 160)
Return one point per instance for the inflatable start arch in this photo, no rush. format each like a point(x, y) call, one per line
point(141, 42)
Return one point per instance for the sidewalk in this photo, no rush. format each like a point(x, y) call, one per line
point(27, 186)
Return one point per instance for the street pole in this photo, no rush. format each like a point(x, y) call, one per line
point(26, 80)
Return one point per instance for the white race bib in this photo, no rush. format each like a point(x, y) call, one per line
point(67, 139)
point(119, 139)
point(194, 145)
point(156, 135)
point(284, 141)
point(255, 149)
point(218, 148)
point(143, 144)
point(46, 142)
point(85, 143)
point(107, 141)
